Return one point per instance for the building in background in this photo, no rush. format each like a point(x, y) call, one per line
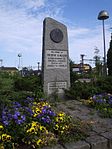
point(79, 68)
point(10, 70)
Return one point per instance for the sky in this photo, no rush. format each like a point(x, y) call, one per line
point(21, 29)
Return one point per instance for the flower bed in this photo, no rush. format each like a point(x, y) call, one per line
point(103, 103)
point(35, 124)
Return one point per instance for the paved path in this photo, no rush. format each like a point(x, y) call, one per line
point(101, 133)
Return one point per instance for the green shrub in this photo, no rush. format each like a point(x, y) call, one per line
point(18, 88)
point(30, 83)
point(105, 84)
point(81, 90)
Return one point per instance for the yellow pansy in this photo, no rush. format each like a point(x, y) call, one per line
point(57, 125)
point(34, 124)
point(6, 137)
point(1, 127)
point(42, 128)
point(63, 127)
point(66, 127)
point(57, 119)
point(61, 118)
point(32, 129)
point(35, 115)
point(62, 132)
point(29, 142)
point(39, 142)
point(61, 114)
point(37, 110)
point(35, 103)
point(47, 132)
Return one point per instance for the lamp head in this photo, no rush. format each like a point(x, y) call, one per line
point(103, 15)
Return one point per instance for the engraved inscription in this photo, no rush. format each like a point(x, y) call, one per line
point(56, 87)
point(56, 59)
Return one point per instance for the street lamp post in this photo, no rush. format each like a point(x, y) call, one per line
point(38, 65)
point(19, 56)
point(103, 15)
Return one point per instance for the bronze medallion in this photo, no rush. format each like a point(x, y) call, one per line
point(56, 35)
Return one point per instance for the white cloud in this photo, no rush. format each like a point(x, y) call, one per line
point(21, 31)
point(34, 3)
point(15, 30)
point(84, 41)
point(21, 27)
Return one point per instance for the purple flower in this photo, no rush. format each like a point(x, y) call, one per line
point(51, 113)
point(42, 99)
point(20, 119)
point(19, 122)
point(110, 100)
point(15, 116)
point(16, 104)
point(6, 116)
point(5, 123)
point(100, 101)
point(46, 119)
point(17, 113)
point(27, 109)
point(94, 98)
point(29, 100)
point(44, 110)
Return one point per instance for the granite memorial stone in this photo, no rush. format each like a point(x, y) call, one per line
point(55, 57)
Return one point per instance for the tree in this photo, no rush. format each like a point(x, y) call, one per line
point(73, 75)
point(98, 64)
point(109, 58)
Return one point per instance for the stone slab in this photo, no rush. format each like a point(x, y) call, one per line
point(77, 145)
point(97, 142)
point(108, 135)
point(99, 128)
point(58, 146)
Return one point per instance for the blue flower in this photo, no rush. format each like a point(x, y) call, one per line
point(94, 97)
point(46, 119)
point(23, 117)
point(16, 104)
point(101, 101)
point(110, 100)
point(5, 123)
point(20, 119)
point(29, 100)
point(19, 122)
point(27, 109)
point(15, 116)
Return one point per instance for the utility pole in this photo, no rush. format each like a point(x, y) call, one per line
point(1, 60)
point(82, 62)
point(38, 65)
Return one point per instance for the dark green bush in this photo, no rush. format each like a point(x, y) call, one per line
point(105, 84)
point(84, 90)
point(17, 88)
point(81, 90)
point(30, 83)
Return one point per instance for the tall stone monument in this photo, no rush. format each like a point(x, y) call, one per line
point(55, 57)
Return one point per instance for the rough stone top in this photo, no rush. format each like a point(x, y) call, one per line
point(48, 20)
